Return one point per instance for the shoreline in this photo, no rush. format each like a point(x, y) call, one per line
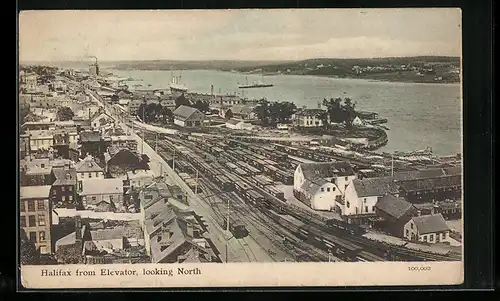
point(312, 75)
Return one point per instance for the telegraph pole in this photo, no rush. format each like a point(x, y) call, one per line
point(173, 159)
point(392, 165)
point(196, 184)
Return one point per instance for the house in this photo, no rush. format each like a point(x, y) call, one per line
point(244, 112)
point(322, 185)
point(35, 172)
point(134, 105)
point(308, 118)
point(63, 192)
point(103, 195)
point(173, 234)
point(392, 214)
point(427, 228)
point(36, 216)
point(167, 102)
point(119, 161)
point(100, 118)
point(357, 121)
point(236, 124)
point(115, 136)
point(361, 195)
point(64, 142)
point(36, 126)
point(91, 144)
point(227, 100)
point(140, 178)
point(185, 116)
point(41, 140)
point(88, 169)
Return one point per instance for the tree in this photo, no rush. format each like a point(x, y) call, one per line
point(271, 113)
point(202, 106)
point(262, 112)
point(229, 114)
point(29, 253)
point(168, 115)
point(141, 111)
point(65, 113)
point(181, 101)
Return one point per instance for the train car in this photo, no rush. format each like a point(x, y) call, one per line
point(236, 227)
point(284, 177)
point(275, 192)
point(240, 172)
point(241, 187)
point(350, 228)
point(231, 165)
point(255, 197)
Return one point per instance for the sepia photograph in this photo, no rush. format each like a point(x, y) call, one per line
point(262, 147)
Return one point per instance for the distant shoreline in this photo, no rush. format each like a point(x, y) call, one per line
point(366, 78)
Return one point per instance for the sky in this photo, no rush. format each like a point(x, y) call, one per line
point(238, 34)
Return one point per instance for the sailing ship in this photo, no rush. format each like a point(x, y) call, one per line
point(176, 86)
point(255, 84)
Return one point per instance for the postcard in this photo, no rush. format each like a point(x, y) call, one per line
point(230, 148)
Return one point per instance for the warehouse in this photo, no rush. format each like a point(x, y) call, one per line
point(185, 116)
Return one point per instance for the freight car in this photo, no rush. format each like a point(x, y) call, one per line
point(236, 227)
point(254, 197)
point(277, 193)
point(340, 224)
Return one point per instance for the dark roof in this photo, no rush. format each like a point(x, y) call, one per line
point(375, 186)
point(430, 223)
point(418, 174)
point(90, 136)
point(313, 171)
point(310, 112)
point(394, 206)
point(64, 176)
point(431, 183)
point(184, 112)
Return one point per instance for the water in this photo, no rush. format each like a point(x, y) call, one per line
point(419, 115)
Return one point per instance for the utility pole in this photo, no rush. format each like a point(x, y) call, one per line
point(196, 184)
point(392, 165)
point(227, 226)
point(173, 159)
point(156, 142)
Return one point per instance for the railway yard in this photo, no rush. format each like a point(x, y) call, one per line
point(237, 180)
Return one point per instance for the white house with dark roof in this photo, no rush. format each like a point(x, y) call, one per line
point(308, 118)
point(188, 117)
point(99, 119)
point(322, 185)
point(427, 228)
point(362, 195)
point(88, 169)
point(103, 194)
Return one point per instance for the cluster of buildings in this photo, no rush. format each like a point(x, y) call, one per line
point(88, 196)
point(390, 203)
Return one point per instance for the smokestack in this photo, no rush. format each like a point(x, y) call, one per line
point(212, 90)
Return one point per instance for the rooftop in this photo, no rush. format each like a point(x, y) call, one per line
point(430, 223)
point(394, 206)
point(140, 174)
point(375, 186)
point(102, 186)
point(184, 112)
point(233, 121)
point(90, 136)
point(88, 164)
point(310, 112)
point(35, 192)
point(313, 171)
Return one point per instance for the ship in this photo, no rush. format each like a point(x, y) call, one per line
point(175, 86)
point(255, 84)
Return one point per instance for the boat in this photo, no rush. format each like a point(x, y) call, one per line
point(175, 86)
point(255, 84)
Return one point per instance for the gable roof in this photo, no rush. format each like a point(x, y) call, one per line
point(185, 112)
point(418, 174)
point(64, 176)
point(88, 164)
point(375, 186)
point(313, 171)
point(394, 206)
point(431, 183)
point(35, 192)
point(430, 223)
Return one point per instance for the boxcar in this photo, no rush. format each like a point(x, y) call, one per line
point(277, 193)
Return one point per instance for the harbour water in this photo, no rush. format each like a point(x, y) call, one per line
point(419, 115)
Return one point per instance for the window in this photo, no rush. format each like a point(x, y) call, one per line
point(90, 175)
point(70, 198)
point(364, 200)
point(43, 250)
point(407, 233)
point(373, 208)
point(425, 238)
point(96, 174)
point(444, 235)
point(70, 188)
point(411, 225)
point(42, 165)
point(41, 205)
point(41, 220)
point(111, 198)
point(63, 198)
point(23, 221)
point(366, 208)
point(348, 205)
point(94, 198)
point(32, 236)
point(42, 235)
point(431, 237)
point(322, 189)
point(22, 206)
point(346, 178)
point(31, 205)
point(31, 221)
point(328, 189)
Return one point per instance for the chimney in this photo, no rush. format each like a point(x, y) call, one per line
point(212, 90)
point(78, 228)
